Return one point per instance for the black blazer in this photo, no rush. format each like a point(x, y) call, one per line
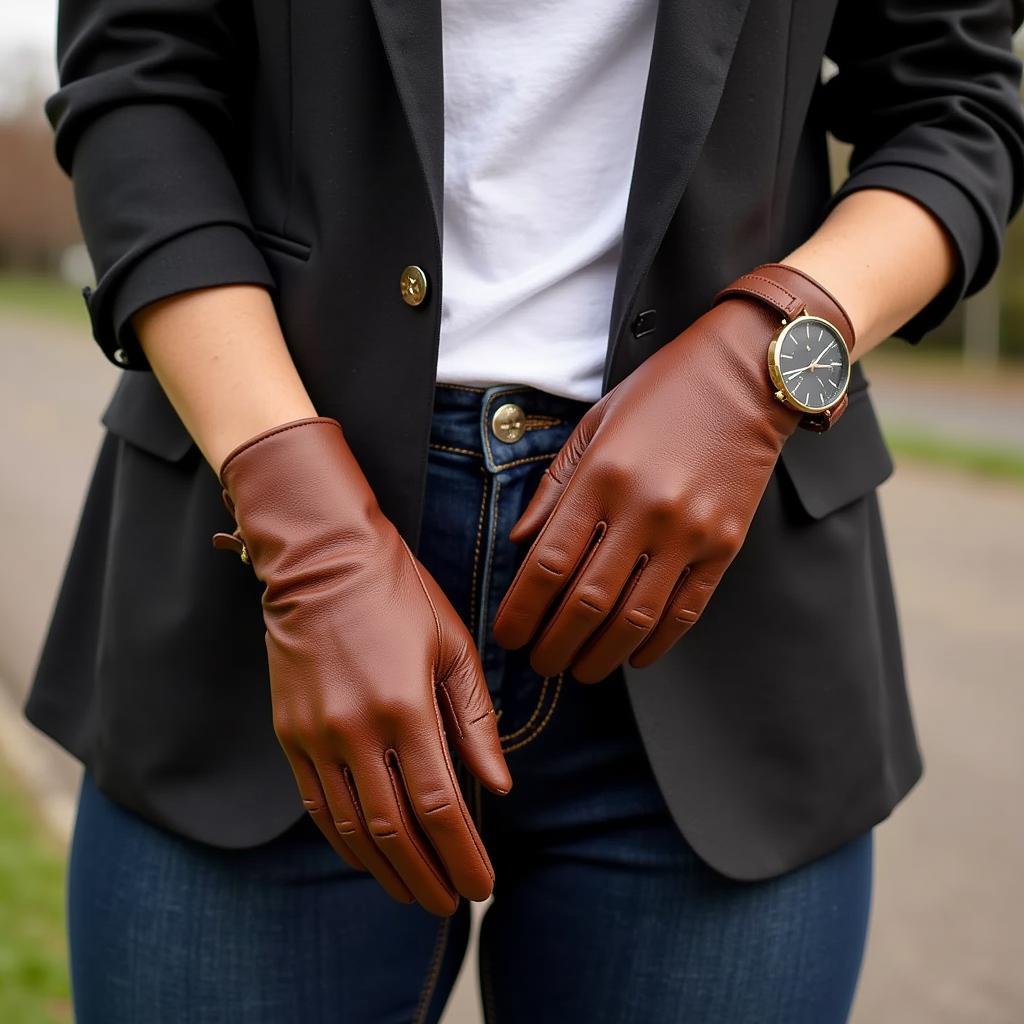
point(299, 146)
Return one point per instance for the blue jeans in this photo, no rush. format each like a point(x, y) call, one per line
point(601, 910)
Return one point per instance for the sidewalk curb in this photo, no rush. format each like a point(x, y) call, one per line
point(35, 761)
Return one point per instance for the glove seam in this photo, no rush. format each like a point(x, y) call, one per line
point(817, 284)
point(390, 767)
point(466, 817)
point(437, 712)
point(272, 432)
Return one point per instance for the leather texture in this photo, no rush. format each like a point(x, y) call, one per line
point(207, 145)
point(371, 669)
point(640, 514)
point(792, 292)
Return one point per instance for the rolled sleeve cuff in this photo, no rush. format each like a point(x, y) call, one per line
point(203, 257)
point(978, 245)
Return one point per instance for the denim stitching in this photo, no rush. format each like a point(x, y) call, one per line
point(427, 993)
point(486, 586)
point(538, 421)
point(476, 555)
point(533, 717)
point(461, 387)
point(525, 459)
point(458, 451)
point(543, 725)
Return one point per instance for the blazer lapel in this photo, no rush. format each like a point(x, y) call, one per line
point(694, 42)
point(411, 33)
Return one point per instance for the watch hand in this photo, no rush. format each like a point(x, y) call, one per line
point(821, 355)
point(799, 369)
point(810, 366)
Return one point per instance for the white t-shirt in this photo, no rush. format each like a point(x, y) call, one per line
point(542, 111)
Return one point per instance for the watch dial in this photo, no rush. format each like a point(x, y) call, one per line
point(813, 362)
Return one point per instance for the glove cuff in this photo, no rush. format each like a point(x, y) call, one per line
point(264, 436)
point(790, 291)
point(296, 493)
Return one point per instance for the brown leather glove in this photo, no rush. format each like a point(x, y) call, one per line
point(370, 666)
point(648, 501)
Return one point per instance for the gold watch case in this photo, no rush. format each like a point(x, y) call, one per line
point(782, 393)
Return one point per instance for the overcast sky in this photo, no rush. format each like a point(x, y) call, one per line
point(28, 21)
point(27, 58)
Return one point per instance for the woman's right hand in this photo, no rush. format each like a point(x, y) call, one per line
point(370, 667)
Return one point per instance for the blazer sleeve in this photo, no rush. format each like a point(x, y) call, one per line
point(143, 125)
point(928, 93)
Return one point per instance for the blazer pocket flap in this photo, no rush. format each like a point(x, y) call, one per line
point(832, 469)
point(141, 413)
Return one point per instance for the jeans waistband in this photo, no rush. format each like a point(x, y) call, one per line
point(506, 424)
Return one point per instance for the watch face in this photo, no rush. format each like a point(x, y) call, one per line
point(812, 363)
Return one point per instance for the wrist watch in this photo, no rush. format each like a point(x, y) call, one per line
point(809, 354)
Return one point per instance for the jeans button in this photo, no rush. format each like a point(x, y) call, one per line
point(508, 423)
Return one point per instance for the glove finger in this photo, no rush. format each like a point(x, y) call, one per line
point(471, 724)
point(557, 476)
point(636, 614)
point(347, 817)
point(685, 608)
point(463, 696)
point(547, 569)
point(424, 772)
point(314, 799)
point(587, 603)
point(396, 833)
point(538, 508)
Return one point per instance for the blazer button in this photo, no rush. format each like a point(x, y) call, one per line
point(413, 285)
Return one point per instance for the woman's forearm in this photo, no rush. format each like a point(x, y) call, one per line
point(221, 358)
point(883, 256)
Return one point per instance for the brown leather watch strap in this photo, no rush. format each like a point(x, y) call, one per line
point(790, 291)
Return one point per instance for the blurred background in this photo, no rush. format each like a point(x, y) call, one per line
point(947, 934)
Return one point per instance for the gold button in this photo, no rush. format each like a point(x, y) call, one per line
point(508, 423)
point(414, 285)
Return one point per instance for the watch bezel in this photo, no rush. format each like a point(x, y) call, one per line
point(775, 369)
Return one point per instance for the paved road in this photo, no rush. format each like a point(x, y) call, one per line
point(947, 937)
point(939, 398)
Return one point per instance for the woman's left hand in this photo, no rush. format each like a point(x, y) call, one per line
point(649, 500)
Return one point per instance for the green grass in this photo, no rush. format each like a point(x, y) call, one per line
point(33, 963)
point(41, 295)
point(967, 456)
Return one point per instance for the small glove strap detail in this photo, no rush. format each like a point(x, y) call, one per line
point(790, 291)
